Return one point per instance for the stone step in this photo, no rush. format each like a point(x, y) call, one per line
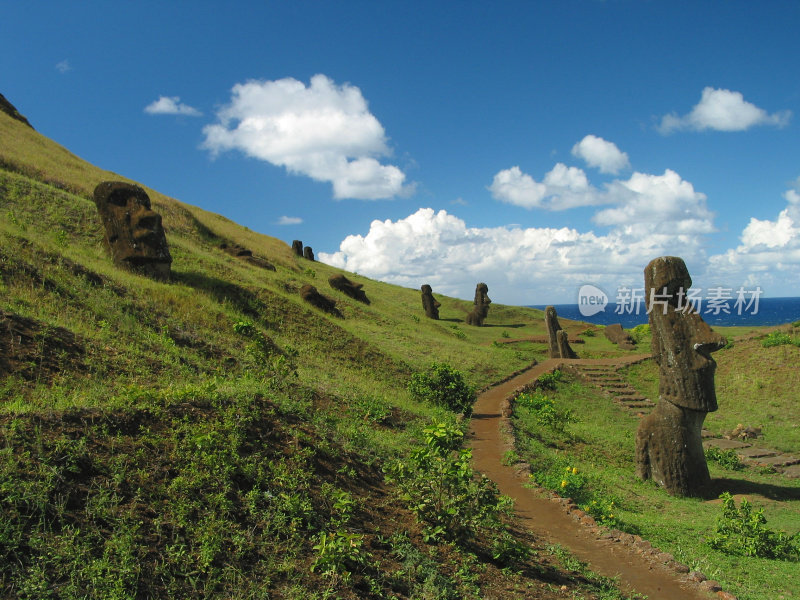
point(640, 404)
point(782, 460)
point(792, 472)
point(755, 452)
point(628, 392)
point(724, 444)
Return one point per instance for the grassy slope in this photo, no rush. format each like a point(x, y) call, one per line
point(150, 450)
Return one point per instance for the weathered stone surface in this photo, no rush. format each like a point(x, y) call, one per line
point(310, 294)
point(246, 255)
point(308, 253)
point(134, 233)
point(297, 247)
point(710, 585)
point(755, 452)
point(617, 335)
point(481, 309)
point(782, 460)
point(430, 304)
point(558, 349)
point(350, 288)
point(724, 444)
point(669, 446)
point(792, 472)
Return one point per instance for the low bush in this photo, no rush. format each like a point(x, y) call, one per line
point(445, 386)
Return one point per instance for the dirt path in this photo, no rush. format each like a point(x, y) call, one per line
point(548, 520)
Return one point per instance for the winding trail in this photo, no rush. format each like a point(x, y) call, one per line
point(547, 519)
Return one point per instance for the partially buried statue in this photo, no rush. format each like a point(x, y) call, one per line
point(350, 288)
point(669, 447)
point(310, 294)
point(429, 304)
point(134, 233)
point(557, 337)
point(481, 309)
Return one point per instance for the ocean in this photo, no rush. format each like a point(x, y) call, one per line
point(769, 311)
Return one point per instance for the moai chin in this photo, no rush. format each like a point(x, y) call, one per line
point(559, 346)
point(669, 446)
point(134, 233)
point(481, 309)
point(429, 304)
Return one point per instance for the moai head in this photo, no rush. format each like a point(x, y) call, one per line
point(349, 288)
point(134, 233)
point(310, 294)
point(682, 341)
point(429, 304)
point(482, 295)
point(308, 253)
point(297, 247)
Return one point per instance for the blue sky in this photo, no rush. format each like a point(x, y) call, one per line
point(535, 146)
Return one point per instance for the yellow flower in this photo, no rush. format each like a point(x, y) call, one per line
point(574, 470)
point(563, 483)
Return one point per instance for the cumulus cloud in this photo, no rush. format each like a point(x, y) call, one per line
point(769, 253)
point(63, 66)
point(563, 187)
point(324, 131)
point(171, 105)
point(601, 154)
point(723, 110)
point(284, 220)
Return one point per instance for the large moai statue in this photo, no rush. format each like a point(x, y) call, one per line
point(310, 294)
point(429, 304)
point(669, 448)
point(134, 233)
point(481, 309)
point(297, 247)
point(557, 337)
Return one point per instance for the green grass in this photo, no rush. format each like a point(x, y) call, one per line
point(215, 436)
point(600, 446)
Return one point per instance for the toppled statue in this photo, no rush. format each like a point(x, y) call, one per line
point(349, 288)
point(246, 255)
point(310, 294)
point(669, 448)
point(559, 346)
point(134, 233)
point(308, 253)
point(429, 304)
point(297, 247)
point(481, 309)
point(617, 335)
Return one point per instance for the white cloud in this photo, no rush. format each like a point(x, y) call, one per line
point(723, 110)
point(171, 105)
point(63, 66)
point(284, 220)
point(769, 253)
point(601, 154)
point(563, 187)
point(324, 131)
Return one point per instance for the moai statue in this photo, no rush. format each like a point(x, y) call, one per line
point(297, 247)
point(617, 335)
point(350, 288)
point(429, 304)
point(134, 233)
point(308, 253)
point(559, 347)
point(669, 448)
point(481, 308)
point(310, 294)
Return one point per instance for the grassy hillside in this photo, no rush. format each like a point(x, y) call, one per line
point(215, 436)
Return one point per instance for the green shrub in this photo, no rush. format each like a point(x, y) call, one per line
point(546, 411)
point(742, 531)
point(779, 338)
point(444, 386)
point(548, 381)
point(725, 458)
point(640, 332)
